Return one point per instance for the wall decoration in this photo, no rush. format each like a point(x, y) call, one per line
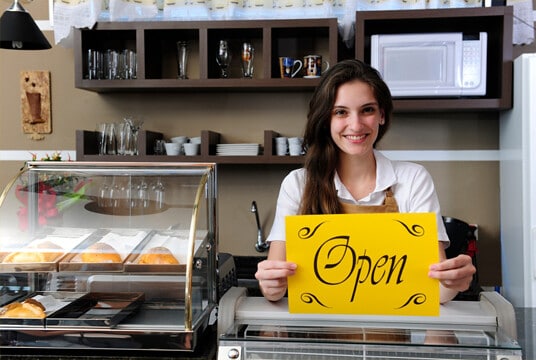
point(35, 103)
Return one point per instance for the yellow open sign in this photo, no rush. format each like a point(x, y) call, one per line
point(363, 264)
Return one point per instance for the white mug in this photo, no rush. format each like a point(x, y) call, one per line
point(312, 65)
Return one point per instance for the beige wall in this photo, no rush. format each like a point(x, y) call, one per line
point(468, 190)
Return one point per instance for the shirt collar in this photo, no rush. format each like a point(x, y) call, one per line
point(385, 178)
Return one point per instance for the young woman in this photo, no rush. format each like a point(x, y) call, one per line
point(349, 113)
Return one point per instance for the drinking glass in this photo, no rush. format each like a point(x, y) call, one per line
point(182, 59)
point(159, 147)
point(94, 64)
point(135, 126)
point(124, 136)
point(158, 192)
point(247, 60)
point(131, 64)
point(143, 194)
point(101, 138)
point(111, 145)
point(223, 58)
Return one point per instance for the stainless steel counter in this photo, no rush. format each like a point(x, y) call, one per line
point(253, 328)
point(526, 331)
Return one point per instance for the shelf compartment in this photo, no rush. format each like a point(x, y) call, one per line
point(297, 43)
point(235, 38)
point(496, 21)
point(161, 53)
point(102, 41)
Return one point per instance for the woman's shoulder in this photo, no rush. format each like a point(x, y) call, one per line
point(295, 176)
point(402, 168)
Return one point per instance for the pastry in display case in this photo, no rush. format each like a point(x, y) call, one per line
point(115, 256)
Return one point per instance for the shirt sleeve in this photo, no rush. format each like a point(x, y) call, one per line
point(288, 203)
point(423, 198)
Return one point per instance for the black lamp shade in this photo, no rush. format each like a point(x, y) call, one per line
point(18, 31)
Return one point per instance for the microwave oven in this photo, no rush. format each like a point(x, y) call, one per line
point(431, 64)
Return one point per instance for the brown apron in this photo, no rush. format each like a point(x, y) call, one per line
point(370, 334)
point(389, 206)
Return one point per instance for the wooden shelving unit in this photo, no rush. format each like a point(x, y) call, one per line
point(87, 150)
point(155, 45)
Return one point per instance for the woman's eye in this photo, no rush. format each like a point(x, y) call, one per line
point(339, 112)
point(368, 110)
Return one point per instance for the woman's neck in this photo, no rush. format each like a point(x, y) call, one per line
point(358, 174)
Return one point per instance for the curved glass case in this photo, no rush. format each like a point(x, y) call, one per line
point(120, 251)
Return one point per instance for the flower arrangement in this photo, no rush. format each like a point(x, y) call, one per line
point(55, 193)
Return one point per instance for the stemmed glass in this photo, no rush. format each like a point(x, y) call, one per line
point(158, 191)
point(223, 58)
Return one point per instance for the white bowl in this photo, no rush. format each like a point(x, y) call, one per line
point(172, 148)
point(179, 139)
point(191, 149)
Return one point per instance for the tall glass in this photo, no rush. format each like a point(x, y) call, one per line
point(247, 60)
point(101, 138)
point(111, 144)
point(182, 59)
point(223, 58)
point(135, 126)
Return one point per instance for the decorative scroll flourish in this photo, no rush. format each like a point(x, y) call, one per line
point(416, 299)
point(306, 232)
point(309, 298)
point(415, 230)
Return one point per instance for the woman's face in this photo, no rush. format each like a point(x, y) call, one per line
point(355, 118)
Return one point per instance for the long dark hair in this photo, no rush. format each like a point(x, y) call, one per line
point(320, 196)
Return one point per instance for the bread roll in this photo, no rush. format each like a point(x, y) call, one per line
point(28, 309)
point(100, 253)
point(42, 252)
point(158, 255)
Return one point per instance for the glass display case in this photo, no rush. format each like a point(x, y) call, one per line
point(97, 255)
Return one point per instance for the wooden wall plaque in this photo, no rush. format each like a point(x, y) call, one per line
point(35, 103)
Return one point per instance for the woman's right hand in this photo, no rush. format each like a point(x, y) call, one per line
point(272, 273)
point(272, 276)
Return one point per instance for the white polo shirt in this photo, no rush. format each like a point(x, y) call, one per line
point(412, 186)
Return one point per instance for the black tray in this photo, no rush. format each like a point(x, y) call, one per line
point(63, 299)
point(96, 310)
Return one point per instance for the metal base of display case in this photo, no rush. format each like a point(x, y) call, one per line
point(254, 328)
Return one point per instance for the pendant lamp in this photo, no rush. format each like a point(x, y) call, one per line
point(18, 31)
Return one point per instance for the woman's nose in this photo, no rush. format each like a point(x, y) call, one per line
point(354, 121)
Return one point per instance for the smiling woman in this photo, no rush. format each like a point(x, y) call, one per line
point(349, 113)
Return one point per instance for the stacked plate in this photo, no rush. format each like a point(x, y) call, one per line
point(237, 149)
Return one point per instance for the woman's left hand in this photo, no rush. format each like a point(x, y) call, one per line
point(456, 273)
